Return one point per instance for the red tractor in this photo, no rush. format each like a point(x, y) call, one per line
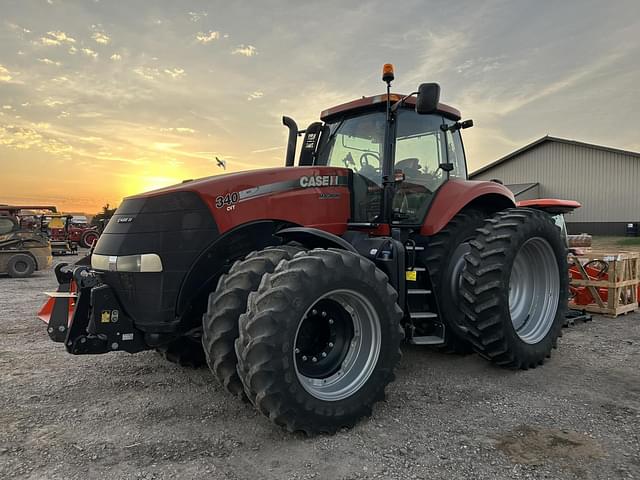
point(68, 234)
point(298, 284)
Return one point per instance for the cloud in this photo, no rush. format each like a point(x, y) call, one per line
point(115, 57)
point(5, 74)
point(48, 61)
point(245, 50)
point(52, 102)
point(90, 53)
point(178, 130)
point(101, 38)
point(151, 73)
point(25, 138)
point(255, 95)
point(13, 26)
point(197, 16)
point(60, 37)
point(209, 37)
point(175, 72)
point(268, 149)
point(73, 50)
point(49, 41)
point(147, 72)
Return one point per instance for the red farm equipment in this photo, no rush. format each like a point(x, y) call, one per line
point(298, 284)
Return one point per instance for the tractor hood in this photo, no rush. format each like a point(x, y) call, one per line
point(315, 196)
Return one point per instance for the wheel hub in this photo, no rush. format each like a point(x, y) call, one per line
point(337, 345)
point(323, 340)
point(21, 266)
point(534, 286)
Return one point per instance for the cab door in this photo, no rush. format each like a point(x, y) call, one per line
point(421, 146)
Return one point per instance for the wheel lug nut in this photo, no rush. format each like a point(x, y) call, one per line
point(324, 314)
point(330, 344)
point(324, 354)
point(314, 312)
point(314, 359)
point(297, 350)
point(304, 358)
point(331, 321)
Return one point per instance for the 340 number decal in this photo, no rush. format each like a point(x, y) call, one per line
point(227, 200)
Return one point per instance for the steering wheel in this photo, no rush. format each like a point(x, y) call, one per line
point(364, 162)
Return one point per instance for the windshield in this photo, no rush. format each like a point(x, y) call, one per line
point(421, 146)
point(358, 143)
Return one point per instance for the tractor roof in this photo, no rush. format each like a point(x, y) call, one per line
point(17, 208)
point(376, 101)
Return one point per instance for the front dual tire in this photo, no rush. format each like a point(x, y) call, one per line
point(335, 307)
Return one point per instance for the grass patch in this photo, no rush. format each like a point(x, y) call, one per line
point(629, 241)
point(613, 243)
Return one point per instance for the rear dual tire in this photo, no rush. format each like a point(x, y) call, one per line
point(515, 288)
point(444, 258)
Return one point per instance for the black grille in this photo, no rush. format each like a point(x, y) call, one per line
point(177, 226)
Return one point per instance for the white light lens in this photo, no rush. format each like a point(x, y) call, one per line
point(130, 263)
point(145, 262)
point(99, 262)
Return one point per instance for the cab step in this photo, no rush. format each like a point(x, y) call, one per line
point(418, 291)
point(422, 315)
point(427, 340)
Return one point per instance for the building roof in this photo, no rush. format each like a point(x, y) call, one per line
point(548, 138)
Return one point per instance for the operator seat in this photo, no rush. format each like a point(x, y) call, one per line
point(412, 189)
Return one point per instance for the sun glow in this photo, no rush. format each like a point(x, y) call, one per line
point(154, 183)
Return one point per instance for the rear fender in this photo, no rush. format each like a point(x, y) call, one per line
point(456, 195)
point(553, 206)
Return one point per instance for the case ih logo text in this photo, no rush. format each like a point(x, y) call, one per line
point(319, 181)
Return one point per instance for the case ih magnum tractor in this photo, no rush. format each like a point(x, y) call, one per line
point(298, 284)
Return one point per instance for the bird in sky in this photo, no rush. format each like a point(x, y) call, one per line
point(221, 163)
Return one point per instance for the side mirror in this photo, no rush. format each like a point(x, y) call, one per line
point(428, 98)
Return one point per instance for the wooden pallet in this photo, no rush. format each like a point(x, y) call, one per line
point(621, 285)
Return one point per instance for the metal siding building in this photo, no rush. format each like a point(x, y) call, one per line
point(604, 180)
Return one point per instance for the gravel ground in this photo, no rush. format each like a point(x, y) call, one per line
point(136, 416)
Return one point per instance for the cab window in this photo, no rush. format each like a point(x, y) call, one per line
point(357, 143)
point(419, 151)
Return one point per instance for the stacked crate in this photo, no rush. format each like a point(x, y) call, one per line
point(614, 293)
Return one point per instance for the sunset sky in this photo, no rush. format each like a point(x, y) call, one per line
point(102, 99)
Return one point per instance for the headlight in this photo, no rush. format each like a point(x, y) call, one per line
point(145, 262)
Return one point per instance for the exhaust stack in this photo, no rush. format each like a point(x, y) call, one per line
point(292, 142)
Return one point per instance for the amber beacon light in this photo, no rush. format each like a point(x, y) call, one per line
point(387, 72)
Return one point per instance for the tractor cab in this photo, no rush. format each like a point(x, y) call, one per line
point(409, 146)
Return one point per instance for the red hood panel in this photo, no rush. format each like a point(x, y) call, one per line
point(310, 196)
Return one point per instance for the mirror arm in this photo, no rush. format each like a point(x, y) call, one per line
point(400, 102)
